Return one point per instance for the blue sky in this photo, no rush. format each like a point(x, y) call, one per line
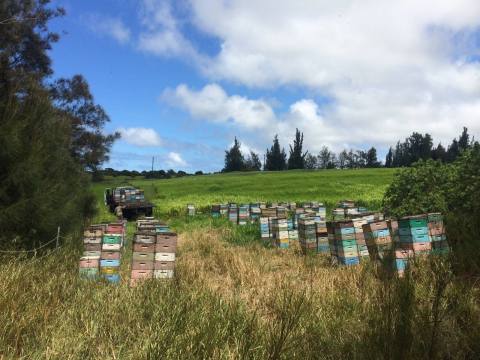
point(180, 79)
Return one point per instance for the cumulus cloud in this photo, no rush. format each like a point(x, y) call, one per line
point(212, 103)
point(390, 68)
point(109, 26)
point(162, 34)
point(142, 137)
point(175, 160)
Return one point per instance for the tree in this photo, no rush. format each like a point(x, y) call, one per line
point(310, 162)
point(371, 158)
point(25, 41)
point(253, 162)
point(234, 160)
point(342, 159)
point(41, 185)
point(89, 146)
point(296, 159)
point(389, 158)
point(439, 153)
point(464, 140)
point(276, 157)
point(324, 157)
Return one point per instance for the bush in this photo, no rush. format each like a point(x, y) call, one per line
point(452, 189)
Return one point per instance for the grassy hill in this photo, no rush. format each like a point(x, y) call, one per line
point(329, 186)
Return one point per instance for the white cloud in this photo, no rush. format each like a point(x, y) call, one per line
point(390, 67)
point(174, 159)
point(112, 27)
point(140, 136)
point(162, 34)
point(213, 104)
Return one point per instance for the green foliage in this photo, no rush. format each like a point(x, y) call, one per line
point(297, 157)
point(454, 190)
point(419, 189)
point(234, 160)
point(41, 186)
point(253, 163)
point(276, 159)
point(74, 102)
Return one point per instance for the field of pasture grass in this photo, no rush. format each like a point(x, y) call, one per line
point(232, 296)
point(366, 186)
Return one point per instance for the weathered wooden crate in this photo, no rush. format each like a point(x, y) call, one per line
point(143, 256)
point(142, 265)
point(144, 248)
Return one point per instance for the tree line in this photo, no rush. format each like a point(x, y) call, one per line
point(51, 132)
point(276, 158)
point(416, 147)
point(420, 147)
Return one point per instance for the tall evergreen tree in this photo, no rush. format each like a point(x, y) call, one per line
point(234, 160)
point(276, 157)
point(371, 158)
point(296, 159)
point(42, 184)
point(464, 140)
point(439, 153)
point(389, 158)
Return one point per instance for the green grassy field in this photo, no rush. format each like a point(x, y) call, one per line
point(366, 186)
point(234, 298)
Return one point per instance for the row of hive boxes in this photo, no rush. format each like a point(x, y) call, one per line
point(153, 256)
point(313, 235)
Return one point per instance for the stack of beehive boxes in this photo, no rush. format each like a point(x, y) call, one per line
point(378, 239)
point(216, 211)
point(292, 232)
point(358, 223)
point(233, 213)
point(165, 255)
point(265, 229)
point(243, 214)
point(92, 244)
point(255, 212)
point(154, 250)
point(338, 214)
point(414, 240)
point(347, 249)
point(307, 235)
point(112, 242)
point(438, 237)
point(190, 210)
point(322, 236)
point(144, 241)
point(280, 233)
point(224, 209)
point(332, 241)
point(281, 212)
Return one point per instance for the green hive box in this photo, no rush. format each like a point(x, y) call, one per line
point(412, 222)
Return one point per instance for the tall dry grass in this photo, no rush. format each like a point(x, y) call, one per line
point(229, 301)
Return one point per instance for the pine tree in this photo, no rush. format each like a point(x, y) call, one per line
point(371, 158)
point(439, 153)
point(296, 159)
point(464, 140)
point(389, 158)
point(234, 160)
point(276, 157)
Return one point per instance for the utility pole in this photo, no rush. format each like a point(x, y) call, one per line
point(153, 158)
